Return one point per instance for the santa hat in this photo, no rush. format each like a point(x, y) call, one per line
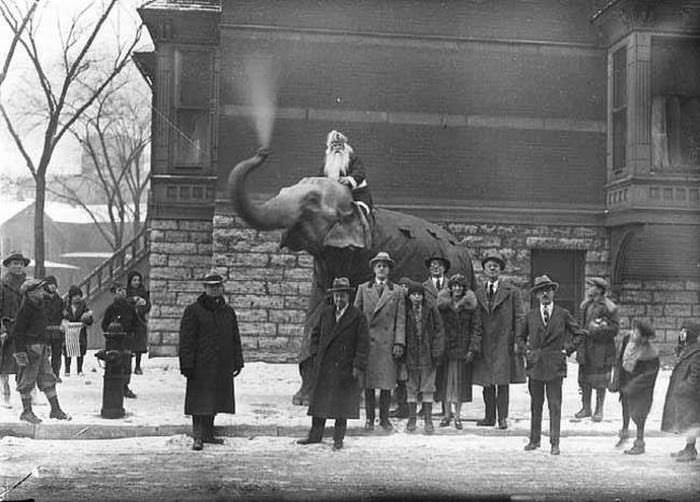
point(336, 137)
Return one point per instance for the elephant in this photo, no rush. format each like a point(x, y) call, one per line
point(318, 216)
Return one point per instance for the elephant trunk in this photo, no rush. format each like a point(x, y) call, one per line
point(268, 216)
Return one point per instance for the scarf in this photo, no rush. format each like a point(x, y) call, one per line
point(638, 352)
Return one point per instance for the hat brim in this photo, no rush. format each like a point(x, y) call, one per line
point(341, 290)
point(500, 262)
point(6, 261)
point(378, 260)
point(547, 285)
point(445, 262)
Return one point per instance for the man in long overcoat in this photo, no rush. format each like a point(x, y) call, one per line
point(10, 298)
point(547, 335)
point(339, 344)
point(123, 312)
point(596, 355)
point(383, 303)
point(211, 356)
point(501, 313)
point(682, 406)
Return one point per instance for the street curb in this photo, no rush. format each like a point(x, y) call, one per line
point(67, 431)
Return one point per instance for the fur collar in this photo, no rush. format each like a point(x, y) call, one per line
point(467, 302)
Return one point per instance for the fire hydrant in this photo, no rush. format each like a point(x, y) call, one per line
point(113, 356)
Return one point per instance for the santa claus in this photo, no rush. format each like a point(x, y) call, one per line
point(344, 166)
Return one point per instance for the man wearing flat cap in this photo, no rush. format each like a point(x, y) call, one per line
point(32, 352)
point(596, 355)
point(339, 345)
point(548, 334)
point(501, 313)
point(383, 303)
point(10, 298)
point(122, 311)
point(211, 356)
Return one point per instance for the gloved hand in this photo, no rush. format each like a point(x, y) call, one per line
point(237, 372)
point(187, 372)
point(86, 318)
point(397, 351)
point(22, 358)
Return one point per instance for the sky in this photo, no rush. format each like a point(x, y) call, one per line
point(21, 81)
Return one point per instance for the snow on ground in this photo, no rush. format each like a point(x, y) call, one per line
point(263, 398)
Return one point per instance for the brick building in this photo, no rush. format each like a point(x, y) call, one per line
point(563, 133)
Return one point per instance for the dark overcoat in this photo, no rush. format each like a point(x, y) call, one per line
point(682, 406)
point(140, 341)
point(500, 321)
point(546, 347)
point(337, 348)
point(210, 347)
point(10, 298)
point(122, 311)
point(386, 320)
point(596, 354)
point(638, 386)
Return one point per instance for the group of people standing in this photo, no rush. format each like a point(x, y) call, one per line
point(431, 341)
point(33, 336)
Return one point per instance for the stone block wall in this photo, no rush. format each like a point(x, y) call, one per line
point(180, 256)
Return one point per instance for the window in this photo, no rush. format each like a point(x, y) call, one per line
point(193, 83)
point(619, 109)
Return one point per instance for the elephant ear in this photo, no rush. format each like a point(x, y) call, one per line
point(351, 230)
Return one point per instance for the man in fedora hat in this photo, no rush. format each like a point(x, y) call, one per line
point(32, 352)
point(123, 312)
point(548, 334)
point(501, 313)
point(596, 355)
point(384, 305)
point(10, 298)
point(211, 356)
point(339, 345)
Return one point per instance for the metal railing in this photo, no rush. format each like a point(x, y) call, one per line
point(120, 262)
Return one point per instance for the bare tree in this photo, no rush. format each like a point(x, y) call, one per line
point(66, 94)
point(114, 135)
point(19, 23)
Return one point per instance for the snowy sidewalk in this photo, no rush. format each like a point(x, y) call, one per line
point(264, 407)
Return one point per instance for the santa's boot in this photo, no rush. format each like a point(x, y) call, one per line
point(56, 411)
point(599, 403)
point(411, 425)
point(428, 417)
point(585, 410)
point(27, 413)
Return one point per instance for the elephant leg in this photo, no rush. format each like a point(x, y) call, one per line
point(303, 395)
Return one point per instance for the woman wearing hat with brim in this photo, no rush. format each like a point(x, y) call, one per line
point(211, 356)
point(10, 298)
point(339, 345)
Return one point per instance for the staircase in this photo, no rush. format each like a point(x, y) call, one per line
point(131, 256)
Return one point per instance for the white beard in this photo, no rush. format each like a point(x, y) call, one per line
point(336, 164)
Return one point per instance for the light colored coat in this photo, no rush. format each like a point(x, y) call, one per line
point(500, 320)
point(386, 319)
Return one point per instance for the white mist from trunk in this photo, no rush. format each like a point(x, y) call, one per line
point(261, 93)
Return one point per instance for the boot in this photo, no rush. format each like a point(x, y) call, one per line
point(316, 432)
point(401, 410)
point(197, 431)
point(56, 411)
point(27, 414)
point(428, 417)
point(128, 393)
point(208, 432)
point(489, 394)
point(339, 433)
point(411, 425)
point(622, 437)
point(585, 410)
point(688, 454)
point(637, 448)
point(370, 405)
point(599, 403)
point(384, 401)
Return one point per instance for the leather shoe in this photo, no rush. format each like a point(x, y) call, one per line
point(485, 423)
point(198, 444)
point(213, 440)
point(308, 440)
point(128, 393)
point(445, 421)
point(555, 449)
point(458, 424)
point(531, 446)
point(338, 445)
point(503, 423)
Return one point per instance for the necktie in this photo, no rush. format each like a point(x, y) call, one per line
point(490, 290)
point(438, 284)
point(380, 288)
point(545, 315)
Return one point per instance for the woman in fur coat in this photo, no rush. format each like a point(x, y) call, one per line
point(462, 325)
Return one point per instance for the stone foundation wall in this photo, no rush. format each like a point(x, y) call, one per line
point(180, 256)
point(269, 287)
